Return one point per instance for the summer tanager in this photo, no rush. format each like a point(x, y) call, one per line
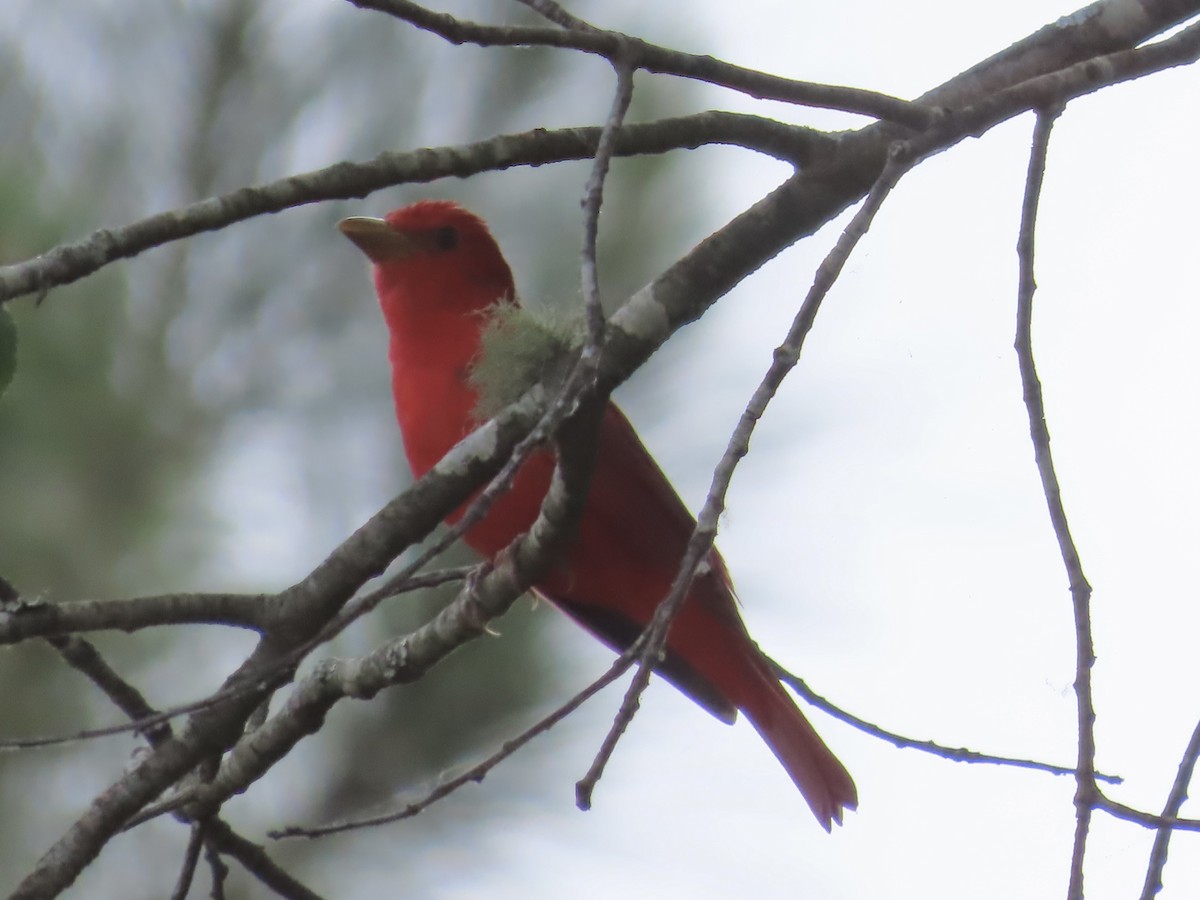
point(438, 274)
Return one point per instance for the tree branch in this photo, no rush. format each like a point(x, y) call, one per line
point(1168, 820)
point(255, 860)
point(191, 857)
point(84, 657)
point(593, 199)
point(479, 771)
point(40, 618)
point(957, 754)
point(660, 60)
point(1085, 778)
point(408, 658)
point(829, 182)
point(1145, 819)
point(69, 262)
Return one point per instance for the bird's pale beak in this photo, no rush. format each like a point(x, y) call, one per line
point(378, 240)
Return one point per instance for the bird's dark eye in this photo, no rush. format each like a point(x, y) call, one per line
point(446, 237)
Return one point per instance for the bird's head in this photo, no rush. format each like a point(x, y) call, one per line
point(433, 252)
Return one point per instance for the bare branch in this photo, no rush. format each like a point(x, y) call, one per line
point(1168, 820)
point(191, 857)
point(255, 860)
point(828, 182)
point(220, 872)
point(593, 199)
point(1081, 591)
point(479, 507)
point(407, 658)
point(213, 831)
point(70, 262)
point(84, 657)
point(1145, 819)
point(660, 60)
point(1099, 28)
point(957, 754)
point(25, 618)
point(476, 773)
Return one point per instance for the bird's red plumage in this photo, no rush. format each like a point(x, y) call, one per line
point(634, 527)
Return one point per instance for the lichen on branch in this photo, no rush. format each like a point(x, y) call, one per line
point(519, 348)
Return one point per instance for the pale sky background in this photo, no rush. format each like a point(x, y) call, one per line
point(887, 532)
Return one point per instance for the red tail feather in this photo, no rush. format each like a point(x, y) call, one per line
point(821, 778)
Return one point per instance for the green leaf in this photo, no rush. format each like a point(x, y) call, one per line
point(8, 348)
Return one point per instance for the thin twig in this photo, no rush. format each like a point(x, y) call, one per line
point(1143, 818)
point(479, 771)
point(479, 507)
point(255, 860)
point(1158, 852)
point(69, 262)
point(220, 873)
point(149, 723)
point(957, 754)
point(144, 719)
point(82, 656)
point(191, 857)
point(661, 60)
point(700, 545)
point(1085, 771)
point(409, 578)
point(593, 199)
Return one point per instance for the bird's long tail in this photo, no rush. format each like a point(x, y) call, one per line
point(819, 775)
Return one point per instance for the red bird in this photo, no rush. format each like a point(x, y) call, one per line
point(438, 273)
